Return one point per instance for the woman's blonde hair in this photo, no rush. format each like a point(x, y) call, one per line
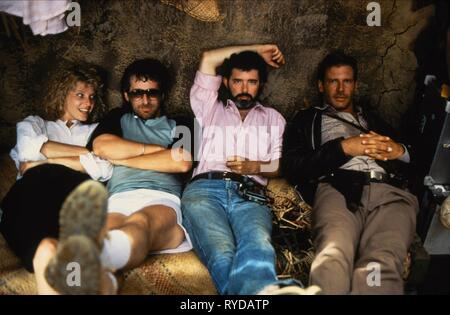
point(63, 81)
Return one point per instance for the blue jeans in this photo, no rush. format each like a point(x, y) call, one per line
point(231, 235)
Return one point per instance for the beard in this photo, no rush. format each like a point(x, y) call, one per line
point(146, 112)
point(248, 102)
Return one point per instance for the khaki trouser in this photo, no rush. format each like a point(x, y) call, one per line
point(346, 243)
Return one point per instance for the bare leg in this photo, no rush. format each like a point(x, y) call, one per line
point(115, 221)
point(152, 228)
point(45, 251)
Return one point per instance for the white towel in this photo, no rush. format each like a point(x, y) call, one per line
point(43, 16)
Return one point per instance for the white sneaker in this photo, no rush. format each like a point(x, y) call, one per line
point(290, 290)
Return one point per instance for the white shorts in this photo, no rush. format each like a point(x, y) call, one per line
point(129, 202)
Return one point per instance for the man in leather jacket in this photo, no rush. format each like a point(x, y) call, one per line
point(345, 161)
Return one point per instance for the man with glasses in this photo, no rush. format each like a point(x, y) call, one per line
point(144, 205)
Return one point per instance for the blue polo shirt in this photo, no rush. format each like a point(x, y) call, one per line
point(152, 131)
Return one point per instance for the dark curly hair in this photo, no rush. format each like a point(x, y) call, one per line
point(245, 61)
point(63, 80)
point(146, 69)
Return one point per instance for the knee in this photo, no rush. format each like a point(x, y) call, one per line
point(219, 256)
point(388, 258)
point(140, 221)
point(336, 244)
point(114, 221)
point(335, 253)
point(256, 239)
point(378, 248)
point(47, 244)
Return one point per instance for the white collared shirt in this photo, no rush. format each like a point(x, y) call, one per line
point(33, 132)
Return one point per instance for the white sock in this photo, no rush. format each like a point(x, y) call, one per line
point(116, 250)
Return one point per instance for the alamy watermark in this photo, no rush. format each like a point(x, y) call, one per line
point(373, 279)
point(374, 17)
point(73, 18)
point(217, 144)
point(73, 278)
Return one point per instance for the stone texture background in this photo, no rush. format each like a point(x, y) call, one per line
point(114, 33)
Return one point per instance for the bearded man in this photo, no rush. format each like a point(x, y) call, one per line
point(224, 205)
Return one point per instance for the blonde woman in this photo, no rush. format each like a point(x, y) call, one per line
point(52, 160)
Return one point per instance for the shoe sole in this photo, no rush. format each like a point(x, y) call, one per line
point(84, 211)
point(76, 267)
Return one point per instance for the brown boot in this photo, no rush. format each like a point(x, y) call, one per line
point(76, 268)
point(445, 213)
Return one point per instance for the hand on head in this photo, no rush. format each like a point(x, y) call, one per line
point(272, 55)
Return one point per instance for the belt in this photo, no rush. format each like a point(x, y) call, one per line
point(366, 178)
point(226, 176)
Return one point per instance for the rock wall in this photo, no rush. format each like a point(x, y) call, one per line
point(114, 33)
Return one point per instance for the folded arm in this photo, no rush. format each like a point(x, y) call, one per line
point(301, 162)
point(72, 162)
point(52, 149)
point(34, 148)
point(166, 161)
point(33, 143)
point(88, 163)
point(112, 147)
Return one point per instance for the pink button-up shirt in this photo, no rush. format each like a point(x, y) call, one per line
point(258, 138)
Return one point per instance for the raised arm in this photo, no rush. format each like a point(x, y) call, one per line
point(210, 60)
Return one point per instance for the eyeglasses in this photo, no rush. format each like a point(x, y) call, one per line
point(138, 94)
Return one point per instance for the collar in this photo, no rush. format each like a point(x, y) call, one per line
point(74, 122)
point(151, 121)
point(323, 107)
point(327, 107)
point(258, 105)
